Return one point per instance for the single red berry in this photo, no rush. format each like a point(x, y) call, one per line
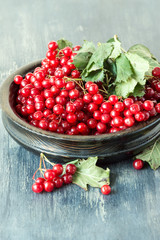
point(128, 102)
point(118, 121)
point(106, 107)
point(156, 72)
point(134, 108)
point(18, 79)
point(40, 180)
point(93, 89)
point(101, 127)
point(75, 74)
point(67, 51)
point(58, 109)
point(37, 187)
point(97, 115)
point(58, 182)
point(76, 48)
point(148, 105)
point(82, 128)
point(119, 106)
point(71, 118)
point(67, 178)
point(58, 169)
point(51, 54)
point(92, 107)
point(129, 121)
point(53, 126)
point(113, 99)
point(138, 164)
point(71, 169)
point(105, 118)
point(87, 98)
point(52, 45)
point(48, 186)
point(92, 123)
point(105, 189)
point(49, 174)
point(157, 108)
point(140, 116)
point(97, 98)
point(73, 94)
point(59, 73)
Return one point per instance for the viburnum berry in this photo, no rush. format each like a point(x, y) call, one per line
point(105, 189)
point(58, 169)
point(71, 169)
point(37, 187)
point(134, 108)
point(75, 74)
point(67, 51)
point(67, 178)
point(48, 186)
point(58, 182)
point(40, 180)
point(148, 105)
point(97, 98)
point(76, 48)
point(101, 127)
point(119, 106)
point(129, 121)
point(49, 174)
point(157, 107)
point(52, 45)
point(140, 116)
point(156, 72)
point(113, 99)
point(93, 89)
point(107, 107)
point(18, 79)
point(138, 164)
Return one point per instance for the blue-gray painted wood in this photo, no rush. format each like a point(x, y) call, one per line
point(132, 211)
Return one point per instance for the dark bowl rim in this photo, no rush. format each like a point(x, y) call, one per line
point(6, 108)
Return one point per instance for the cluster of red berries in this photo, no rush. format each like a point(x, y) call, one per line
point(55, 98)
point(53, 178)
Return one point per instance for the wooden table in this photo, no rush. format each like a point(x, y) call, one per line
point(132, 211)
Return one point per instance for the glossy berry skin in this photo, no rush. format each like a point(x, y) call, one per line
point(71, 169)
point(93, 89)
point(37, 187)
point(92, 123)
point(58, 169)
point(71, 118)
point(148, 105)
point(119, 106)
point(107, 107)
point(134, 108)
point(101, 127)
point(40, 180)
point(75, 74)
point(156, 72)
point(105, 189)
point(58, 182)
point(128, 102)
point(18, 79)
point(49, 174)
point(58, 109)
point(67, 178)
point(140, 116)
point(157, 108)
point(129, 121)
point(97, 98)
point(113, 99)
point(67, 51)
point(52, 45)
point(138, 164)
point(48, 186)
point(117, 121)
point(87, 98)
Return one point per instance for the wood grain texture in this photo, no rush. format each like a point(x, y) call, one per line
point(132, 211)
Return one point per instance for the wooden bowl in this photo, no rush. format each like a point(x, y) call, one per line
point(108, 147)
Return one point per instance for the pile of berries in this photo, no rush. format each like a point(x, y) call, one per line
point(53, 178)
point(55, 98)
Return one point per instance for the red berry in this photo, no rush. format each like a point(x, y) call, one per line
point(53, 126)
point(76, 48)
point(128, 102)
point(71, 169)
point(58, 182)
point(148, 105)
point(117, 121)
point(67, 178)
point(97, 98)
point(157, 107)
point(156, 72)
point(49, 174)
point(74, 93)
point(129, 121)
point(101, 127)
point(113, 99)
point(92, 123)
point(71, 118)
point(87, 98)
point(140, 116)
point(92, 107)
point(82, 128)
point(59, 73)
point(48, 186)
point(18, 79)
point(37, 187)
point(75, 74)
point(138, 164)
point(58, 169)
point(43, 124)
point(58, 109)
point(51, 54)
point(52, 45)
point(105, 189)
point(93, 89)
point(67, 51)
point(134, 108)
point(105, 118)
point(119, 106)
point(40, 180)
point(106, 107)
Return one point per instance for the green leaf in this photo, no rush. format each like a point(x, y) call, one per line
point(116, 52)
point(125, 89)
point(151, 155)
point(139, 65)
point(94, 76)
point(89, 174)
point(84, 54)
point(81, 60)
point(139, 90)
point(124, 69)
point(62, 43)
point(87, 47)
point(144, 52)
